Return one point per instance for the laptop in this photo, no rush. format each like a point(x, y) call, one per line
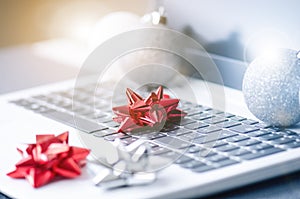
point(239, 149)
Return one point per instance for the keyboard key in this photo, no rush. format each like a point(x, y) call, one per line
point(32, 106)
point(67, 107)
point(112, 137)
point(198, 151)
point(216, 143)
point(74, 107)
point(193, 164)
point(159, 150)
point(275, 129)
point(96, 114)
point(179, 131)
point(40, 97)
point(294, 144)
point(271, 136)
point(202, 116)
point(202, 169)
point(38, 108)
point(81, 98)
point(224, 134)
point(190, 136)
point(244, 128)
point(62, 117)
point(104, 119)
point(258, 133)
point(177, 157)
point(238, 152)
point(186, 121)
point(260, 146)
point(65, 103)
point(208, 129)
point(152, 144)
point(228, 124)
point(127, 141)
point(215, 120)
point(28, 103)
point(203, 108)
point(204, 153)
point(237, 138)
point(88, 126)
point(84, 111)
point(111, 124)
point(194, 149)
point(101, 106)
point(76, 122)
point(183, 159)
point(283, 140)
point(216, 158)
point(248, 142)
point(215, 112)
point(262, 125)
point(195, 111)
point(185, 108)
point(226, 162)
point(104, 132)
point(238, 118)
point(87, 89)
point(55, 100)
point(217, 135)
point(249, 122)
point(200, 107)
point(261, 153)
point(172, 142)
point(225, 114)
point(290, 133)
point(194, 126)
point(151, 136)
point(205, 138)
point(43, 109)
point(226, 148)
point(65, 94)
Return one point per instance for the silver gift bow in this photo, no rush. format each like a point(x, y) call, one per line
point(132, 166)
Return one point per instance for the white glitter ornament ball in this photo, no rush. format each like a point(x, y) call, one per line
point(271, 87)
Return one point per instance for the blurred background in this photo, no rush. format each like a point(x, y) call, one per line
point(45, 41)
point(25, 21)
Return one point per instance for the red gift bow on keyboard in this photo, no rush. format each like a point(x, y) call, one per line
point(152, 111)
point(50, 157)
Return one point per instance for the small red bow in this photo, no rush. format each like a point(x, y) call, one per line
point(153, 111)
point(51, 156)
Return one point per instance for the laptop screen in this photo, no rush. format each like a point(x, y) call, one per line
point(238, 30)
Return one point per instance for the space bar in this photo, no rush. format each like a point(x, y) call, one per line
point(75, 122)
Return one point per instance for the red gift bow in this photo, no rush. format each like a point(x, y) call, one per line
point(152, 111)
point(50, 157)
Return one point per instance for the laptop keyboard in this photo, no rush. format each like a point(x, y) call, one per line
point(209, 138)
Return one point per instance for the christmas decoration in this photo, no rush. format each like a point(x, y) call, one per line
point(153, 111)
point(50, 157)
point(133, 166)
point(271, 87)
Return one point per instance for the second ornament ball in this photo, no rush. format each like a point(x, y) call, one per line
point(271, 87)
